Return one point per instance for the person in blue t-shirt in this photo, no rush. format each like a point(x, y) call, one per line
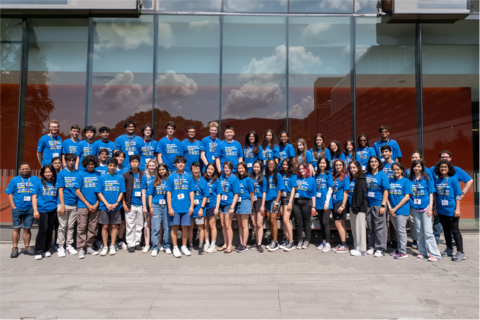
point(103, 155)
point(244, 205)
point(252, 151)
point(304, 205)
point(384, 133)
point(341, 184)
point(168, 148)
point(122, 167)
point(200, 200)
point(364, 151)
point(129, 143)
point(71, 145)
point(399, 207)
point(386, 151)
point(67, 207)
point(285, 149)
point(302, 155)
point(191, 148)
point(157, 199)
point(275, 187)
point(270, 147)
point(208, 146)
point(324, 202)
point(147, 150)
point(229, 150)
point(110, 189)
point(357, 202)
point(104, 143)
point(211, 212)
point(336, 152)
point(20, 190)
point(258, 209)
point(57, 164)
point(447, 206)
point(377, 196)
point(147, 180)
point(228, 191)
point(50, 145)
point(319, 150)
point(86, 147)
point(290, 181)
point(88, 203)
point(421, 208)
point(417, 155)
point(180, 200)
point(350, 153)
point(44, 202)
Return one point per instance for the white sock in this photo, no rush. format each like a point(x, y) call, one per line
point(175, 247)
point(207, 243)
point(213, 243)
point(184, 247)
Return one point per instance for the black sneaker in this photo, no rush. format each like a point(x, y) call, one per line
point(201, 249)
point(15, 252)
point(290, 246)
point(138, 247)
point(28, 251)
point(259, 249)
point(274, 247)
point(190, 247)
point(242, 248)
point(284, 244)
point(131, 249)
point(253, 247)
point(270, 245)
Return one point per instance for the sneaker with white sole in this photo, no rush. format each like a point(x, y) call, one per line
point(47, 254)
point(299, 244)
point(154, 253)
point(305, 245)
point(122, 245)
point(378, 254)
point(459, 256)
point(274, 247)
point(337, 247)
point(355, 253)
point(168, 250)
point(185, 251)
point(212, 249)
point(342, 249)
point(112, 250)
point(290, 246)
point(104, 251)
point(61, 252)
point(92, 252)
point(321, 246)
point(81, 254)
point(284, 244)
point(71, 250)
point(146, 249)
point(176, 252)
point(371, 251)
point(327, 247)
point(38, 257)
point(161, 248)
point(268, 246)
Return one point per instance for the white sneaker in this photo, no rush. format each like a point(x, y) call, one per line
point(327, 247)
point(176, 253)
point(378, 254)
point(154, 253)
point(162, 248)
point(321, 246)
point(122, 245)
point(112, 250)
point(371, 251)
point(355, 253)
point(92, 252)
point(104, 251)
point(205, 248)
point(212, 248)
point(81, 254)
point(48, 254)
point(337, 247)
point(146, 249)
point(71, 250)
point(61, 252)
point(38, 257)
point(185, 251)
point(168, 250)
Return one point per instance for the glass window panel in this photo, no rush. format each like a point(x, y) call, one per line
point(256, 6)
point(122, 72)
point(385, 62)
point(188, 73)
point(319, 65)
point(254, 64)
point(322, 6)
point(366, 6)
point(189, 5)
point(11, 52)
point(57, 64)
point(451, 96)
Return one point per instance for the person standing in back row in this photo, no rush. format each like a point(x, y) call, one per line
point(208, 146)
point(384, 133)
point(50, 145)
point(191, 148)
point(364, 151)
point(71, 145)
point(86, 147)
point(104, 143)
point(129, 142)
point(229, 150)
point(169, 147)
point(148, 147)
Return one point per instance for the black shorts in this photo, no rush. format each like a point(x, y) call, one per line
point(285, 200)
point(339, 216)
point(210, 212)
point(257, 204)
point(122, 214)
point(109, 217)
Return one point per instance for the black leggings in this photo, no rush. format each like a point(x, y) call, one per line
point(302, 209)
point(46, 224)
point(324, 217)
point(450, 226)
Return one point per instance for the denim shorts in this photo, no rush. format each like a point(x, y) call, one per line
point(180, 219)
point(22, 218)
point(244, 207)
point(269, 206)
point(225, 209)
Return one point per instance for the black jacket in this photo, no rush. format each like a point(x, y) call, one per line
point(359, 196)
point(129, 181)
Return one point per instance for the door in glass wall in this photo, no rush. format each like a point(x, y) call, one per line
point(450, 99)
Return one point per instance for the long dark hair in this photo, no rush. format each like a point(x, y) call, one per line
point(258, 176)
point(265, 143)
point(256, 147)
point(303, 153)
point(318, 164)
point(54, 175)
point(451, 169)
point(215, 174)
point(353, 149)
point(359, 173)
point(316, 154)
point(380, 164)
point(423, 174)
point(289, 171)
point(268, 173)
point(158, 178)
point(401, 166)
point(288, 140)
point(246, 174)
point(339, 149)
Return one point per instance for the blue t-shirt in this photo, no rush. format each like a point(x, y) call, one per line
point(147, 152)
point(285, 152)
point(350, 191)
point(446, 191)
point(22, 190)
point(315, 159)
point(387, 168)
point(427, 171)
point(421, 190)
point(272, 187)
point(270, 154)
point(158, 193)
point(103, 169)
point(376, 185)
point(201, 191)
point(333, 159)
point(169, 149)
point(398, 190)
point(137, 191)
point(460, 175)
point(210, 147)
point(51, 148)
point(246, 187)
point(309, 157)
point(249, 158)
point(87, 183)
point(306, 188)
point(122, 171)
point(85, 149)
point(180, 185)
point(109, 145)
point(324, 182)
point(290, 183)
point(146, 181)
point(68, 146)
point(365, 154)
point(228, 188)
point(259, 189)
point(67, 180)
point(229, 151)
point(128, 145)
point(396, 153)
point(47, 196)
point(212, 193)
point(191, 151)
point(339, 187)
point(349, 159)
point(110, 186)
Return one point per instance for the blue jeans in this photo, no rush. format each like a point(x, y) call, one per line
point(160, 215)
point(425, 237)
point(437, 228)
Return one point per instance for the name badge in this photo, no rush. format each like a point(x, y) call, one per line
point(138, 193)
point(319, 195)
point(284, 194)
point(224, 197)
point(265, 162)
point(334, 197)
point(147, 159)
point(213, 158)
point(208, 200)
point(162, 201)
point(383, 160)
point(255, 198)
point(371, 194)
point(444, 202)
point(55, 154)
point(364, 168)
point(196, 201)
point(130, 153)
point(249, 165)
point(239, 199)
point(27, 198)
point(181, 196)
point(417, 201)
point(297, 195)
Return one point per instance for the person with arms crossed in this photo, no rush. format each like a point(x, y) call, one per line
point(290, 181)
point(129, 143)
point(324, 201)
point(252, 151)
point(168, 148)
point(212, 177)
point(200, 200)
point(357, 199)
point(244, 205)
point(86, 147)
point(384, 133)
point(50, 145)
point(191, 148)
point(71, 145)
point(228, 150)
point(104, 143)
point(319, 150)
point(364, 151)
point(208, 146)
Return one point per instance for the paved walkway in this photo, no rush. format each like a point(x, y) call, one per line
point(299, 284)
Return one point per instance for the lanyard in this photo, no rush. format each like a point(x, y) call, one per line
point(369, 185)
point(130, 142)
point(319, 185)
point(444, 191)
point(162, 186)
point(224, 185)
point(27, 188)
point(301, 183)
point(148, 146)
point(198, 181)
point(417, 181)
point(181, 181)
point(249, 152)
point(54, 141)
point(214, 144)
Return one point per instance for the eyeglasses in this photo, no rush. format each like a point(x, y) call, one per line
point(363, 139)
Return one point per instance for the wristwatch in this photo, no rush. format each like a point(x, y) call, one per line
point(463, 193)
point(202, 208)
point(383, 206)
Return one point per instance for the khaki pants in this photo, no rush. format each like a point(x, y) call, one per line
point(358, 223)
point(134, 224)
point(66, 224)
point(86, 224)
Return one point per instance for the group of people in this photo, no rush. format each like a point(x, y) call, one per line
point(137, 185)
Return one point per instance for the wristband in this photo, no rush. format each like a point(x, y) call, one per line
point(202, 208)
point(383, 206)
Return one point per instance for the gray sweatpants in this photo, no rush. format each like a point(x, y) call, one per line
point(400, 224)
point(377, 229)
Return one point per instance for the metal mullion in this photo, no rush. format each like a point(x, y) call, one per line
point(88, 98)
point(419, 87)
point(220, 85)
point(155, 72)
point(287, 81)
point(353, 79)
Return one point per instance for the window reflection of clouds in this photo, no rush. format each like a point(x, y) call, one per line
point(321, 6)
point(190, 5)
point(256, 5)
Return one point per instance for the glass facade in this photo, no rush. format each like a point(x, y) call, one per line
point(339, 75)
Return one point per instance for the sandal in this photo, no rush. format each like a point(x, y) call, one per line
point(221, 249)
point(228, 251)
